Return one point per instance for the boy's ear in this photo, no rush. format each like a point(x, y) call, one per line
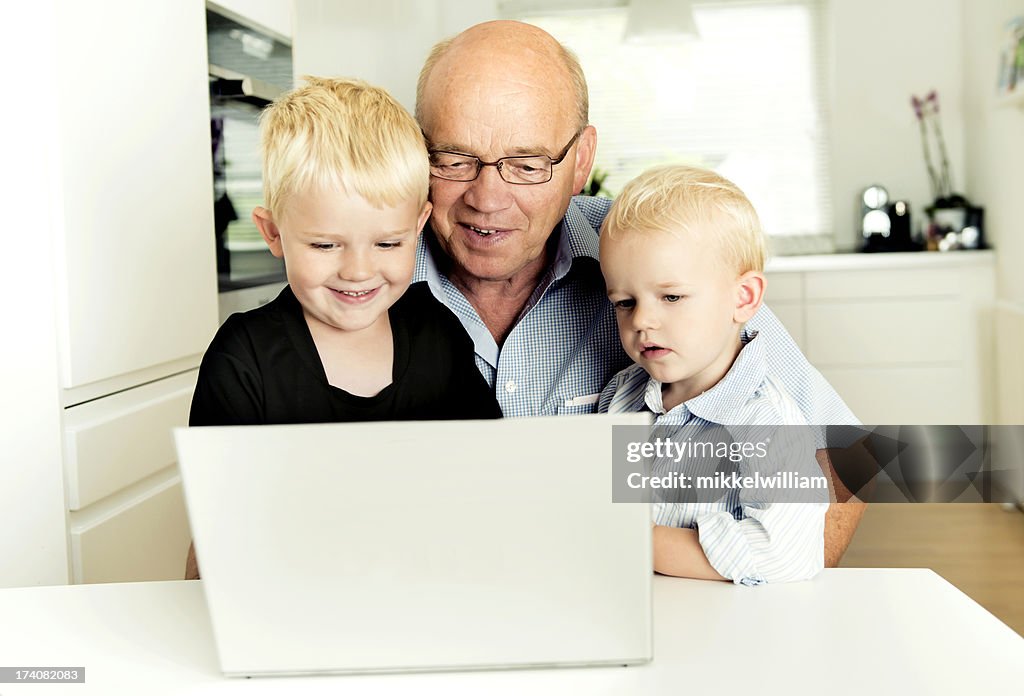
point(424, 216)
point(268, 228)
point(750, 289)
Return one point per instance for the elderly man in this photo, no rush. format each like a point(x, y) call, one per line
point(514, 255)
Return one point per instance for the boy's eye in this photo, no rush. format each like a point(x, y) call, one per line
point(673, 298)
point(322, 246)
point(624, 304)
point(388, 245)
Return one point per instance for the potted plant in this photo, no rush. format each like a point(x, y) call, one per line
point(953, 223)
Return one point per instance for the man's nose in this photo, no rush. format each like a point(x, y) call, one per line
point(488, 192)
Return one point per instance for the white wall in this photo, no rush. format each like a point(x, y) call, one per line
point(383, 42)
point(881, 53)
point(995, 142)
point(33, 544)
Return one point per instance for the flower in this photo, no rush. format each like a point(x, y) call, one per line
point(927, 111)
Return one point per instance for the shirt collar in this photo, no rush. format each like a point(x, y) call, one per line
point(426, 267)
point(715, 405)
point(578, 240)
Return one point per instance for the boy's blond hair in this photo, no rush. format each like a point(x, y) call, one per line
point(684, 199)
point(343, 134)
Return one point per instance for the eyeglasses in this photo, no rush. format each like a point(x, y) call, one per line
point(528, 169)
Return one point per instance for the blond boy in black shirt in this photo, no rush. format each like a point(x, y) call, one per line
point(345, 177)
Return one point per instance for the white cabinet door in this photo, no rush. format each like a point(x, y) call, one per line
point(891, 331)
point(114, 442)
point(127, 516)
point(134, 187)
point(902, 395)
point(145, 537)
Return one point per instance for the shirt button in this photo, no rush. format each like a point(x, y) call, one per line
point(510, 386)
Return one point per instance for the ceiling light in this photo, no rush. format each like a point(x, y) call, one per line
point(660, 20)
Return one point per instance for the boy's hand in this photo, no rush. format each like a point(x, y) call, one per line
point(678, 552)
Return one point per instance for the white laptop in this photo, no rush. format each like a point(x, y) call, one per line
point(414, 546)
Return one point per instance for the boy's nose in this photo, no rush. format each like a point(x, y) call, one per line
point(644, 318)
point(356, 267)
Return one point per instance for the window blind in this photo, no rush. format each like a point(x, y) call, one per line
point(744, 99)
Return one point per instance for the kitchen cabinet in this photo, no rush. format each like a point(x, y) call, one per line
point(903, 338)
point(122, 276)
point(138, 275)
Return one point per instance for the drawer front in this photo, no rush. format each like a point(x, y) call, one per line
point(120, 439)
point(882, 283)
point(783, 287)
point(879, 333)
point(143, 538)
point(908, 396)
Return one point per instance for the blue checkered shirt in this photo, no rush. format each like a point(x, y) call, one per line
point(565, 346)
point(747, 536)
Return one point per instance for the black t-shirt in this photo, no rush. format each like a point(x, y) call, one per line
point(263, 368)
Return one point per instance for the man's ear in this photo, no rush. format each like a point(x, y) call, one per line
point(586, 148)
point(424, 216)
point(268, 228)
point(750, 289)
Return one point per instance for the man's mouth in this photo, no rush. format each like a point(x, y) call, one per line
point(484, 232)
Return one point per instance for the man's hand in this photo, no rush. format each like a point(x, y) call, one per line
point(843, 515)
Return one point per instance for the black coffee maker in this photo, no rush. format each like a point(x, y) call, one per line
point(885, 224)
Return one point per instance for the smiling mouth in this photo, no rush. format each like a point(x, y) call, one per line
point(481, 232)
point(355, 296)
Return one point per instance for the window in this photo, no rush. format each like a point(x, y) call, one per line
point(744, 99)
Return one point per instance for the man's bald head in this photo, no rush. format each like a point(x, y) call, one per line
point(508, 48)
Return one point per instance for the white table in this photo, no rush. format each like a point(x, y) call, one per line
point(849, 631)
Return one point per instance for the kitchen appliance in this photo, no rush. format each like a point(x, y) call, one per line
point(885, 224)
point(248, 69)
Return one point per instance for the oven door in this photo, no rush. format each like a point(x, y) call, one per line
point(243, 259)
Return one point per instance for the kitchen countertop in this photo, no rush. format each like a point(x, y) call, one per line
point(856, 261)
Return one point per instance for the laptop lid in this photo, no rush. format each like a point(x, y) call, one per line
point(446, 545)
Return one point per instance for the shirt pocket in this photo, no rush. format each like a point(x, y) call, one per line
point(578, 405)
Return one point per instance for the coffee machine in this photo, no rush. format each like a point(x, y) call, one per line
point(885, 224)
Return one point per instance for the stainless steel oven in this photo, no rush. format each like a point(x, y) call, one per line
point(248, 69)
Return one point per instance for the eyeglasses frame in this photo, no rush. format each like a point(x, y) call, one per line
point(480, 164)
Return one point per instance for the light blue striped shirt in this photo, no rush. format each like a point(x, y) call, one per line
point(746, 538)
point(565, 345)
